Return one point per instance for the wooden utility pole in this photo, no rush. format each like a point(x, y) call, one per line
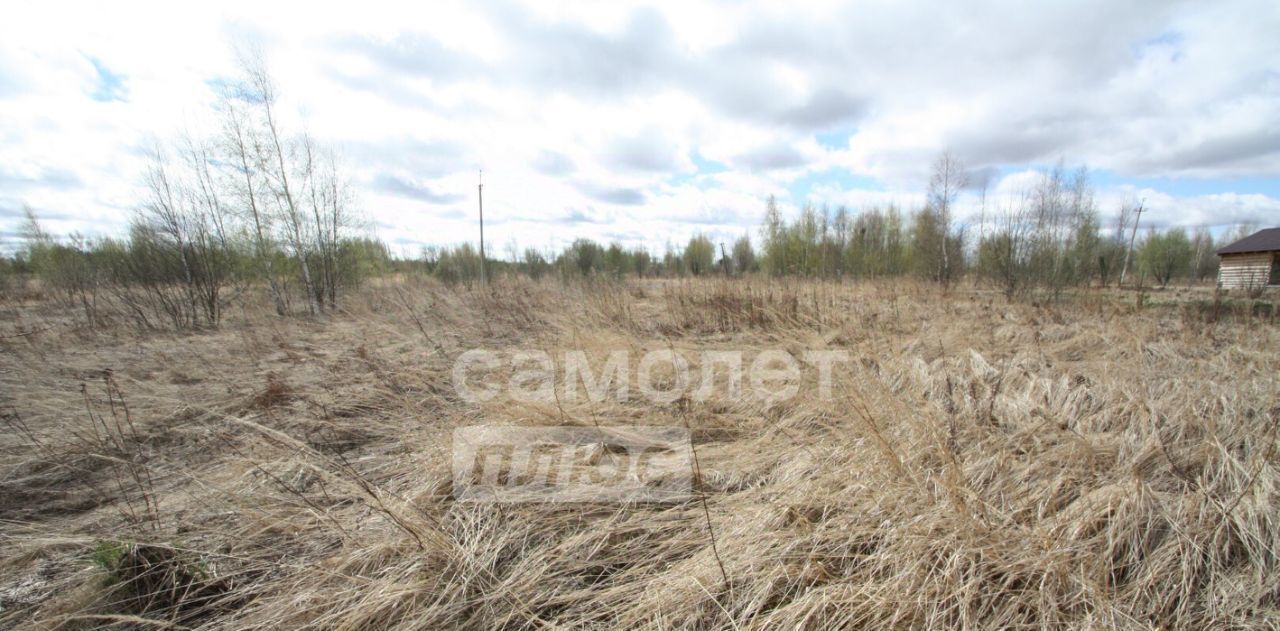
point(1132, 235)
point(480, 191)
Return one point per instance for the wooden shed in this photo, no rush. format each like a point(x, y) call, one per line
point(1251, 262)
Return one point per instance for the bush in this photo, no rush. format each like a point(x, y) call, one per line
point(1166, 255)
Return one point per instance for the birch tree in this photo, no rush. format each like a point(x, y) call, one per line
point(278, 170)
point(243, 147)
point(945, 183)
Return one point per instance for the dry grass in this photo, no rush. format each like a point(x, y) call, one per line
point(983, 464)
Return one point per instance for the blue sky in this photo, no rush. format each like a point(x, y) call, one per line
point(108, 86)
point(649, 122)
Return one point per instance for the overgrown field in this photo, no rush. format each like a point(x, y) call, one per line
point(1083, 463)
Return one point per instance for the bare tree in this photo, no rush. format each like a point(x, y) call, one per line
point(180, 258)
point(1205, 264)
point(164, 214)
point(329, 197)
point(945, 183)
point(64, 267)
point(1050, 211)
point(243, 147)
point(1005, 256)
point(210, 249)
point(278, 168)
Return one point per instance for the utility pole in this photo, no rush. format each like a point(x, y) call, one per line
point(1132, 235)
point(480, 191)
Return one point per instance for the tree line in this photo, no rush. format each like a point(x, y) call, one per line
point(256, 207)
point(1048, 237)
point(253, 204)
point(585, 258)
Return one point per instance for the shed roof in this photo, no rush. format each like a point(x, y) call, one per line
point(1261, 241)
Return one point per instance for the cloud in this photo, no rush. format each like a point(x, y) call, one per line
point(981, 178)
point(1215, 210)
point(614, 195)
point(1025, 140)
point(393, 185)
point(647, 151)
point(408, 53)
point(573, 57)
point(12, 83)
point(1228, 150)
point(658, 121)
point(825, 108)
point(772, 156)
point(16, 211)
point(35, 177)
point(431, 158)
point(108, 86)
point(553, 163)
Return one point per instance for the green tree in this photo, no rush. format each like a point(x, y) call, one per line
point(460, 264)
point(1167, 255)
point(535, 265)
point(616, 261)
point(585, 256)
point(699, 255)
point(744, 256)
point(641, 261)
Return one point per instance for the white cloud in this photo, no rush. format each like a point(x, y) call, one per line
point(590, 118)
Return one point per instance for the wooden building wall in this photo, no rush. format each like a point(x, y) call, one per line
point(1240, 271)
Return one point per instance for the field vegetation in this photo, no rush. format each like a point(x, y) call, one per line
point(238, 416)
point(1098, 459)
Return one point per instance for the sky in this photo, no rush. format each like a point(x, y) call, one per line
point(645, 123)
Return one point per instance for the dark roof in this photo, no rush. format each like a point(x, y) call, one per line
point(1260, 241)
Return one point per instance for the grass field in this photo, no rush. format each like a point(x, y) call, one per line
point(1090, 462)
